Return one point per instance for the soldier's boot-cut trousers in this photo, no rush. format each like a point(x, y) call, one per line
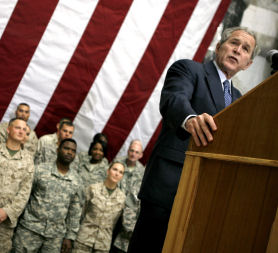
point(27, 241)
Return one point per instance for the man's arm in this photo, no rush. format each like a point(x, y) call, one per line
point(74, 215)
point(175, 104)
point(18, 203)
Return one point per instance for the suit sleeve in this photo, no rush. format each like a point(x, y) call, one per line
point(176, 94)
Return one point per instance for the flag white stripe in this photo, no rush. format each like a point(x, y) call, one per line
point(121, 62)
point(51, 57)
point(6, 7)
point(186, 49)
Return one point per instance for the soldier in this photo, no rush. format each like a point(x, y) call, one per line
point(84, 155)
point(103, 206)
point(51, 218)
point(48, 144)
point(22, 112)
point(16, 174)
point(130, 185)
point(92, 167)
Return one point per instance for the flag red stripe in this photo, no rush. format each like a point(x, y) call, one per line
point(148, 72)
point(199, 56)
point(85, 63)
point(19, 42)
point(207, 39)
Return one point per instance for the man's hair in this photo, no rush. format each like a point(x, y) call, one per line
point(228, 32)
point(65, 140)
point(67, 123)
point(64, 119)
point(14, 119)
point(102, 143)
point(25, 104)
point(136, 141)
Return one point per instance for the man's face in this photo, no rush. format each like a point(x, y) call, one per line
point(134, 152)
point(66, 153)
point(22, 112)
point(65, 132)
point(17, 130)
point(235, 53)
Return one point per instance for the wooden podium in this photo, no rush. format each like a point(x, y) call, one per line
point(228, 192)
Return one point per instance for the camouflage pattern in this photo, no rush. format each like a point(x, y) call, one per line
point(91, 173)
point(26, 240)
point(81, 248)
point(16, 175)
point(54, 207)
point(6, 235)
point(47, 151)
point(130, 184)
point(101, 212)
point(32, 143)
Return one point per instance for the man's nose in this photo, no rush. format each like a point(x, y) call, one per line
point(237, 49)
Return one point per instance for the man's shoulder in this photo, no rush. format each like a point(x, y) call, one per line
point(48, 137)
point(187, 63)
point(4, 125)
point(44, 168)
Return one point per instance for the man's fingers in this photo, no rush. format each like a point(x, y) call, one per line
point(200, 128)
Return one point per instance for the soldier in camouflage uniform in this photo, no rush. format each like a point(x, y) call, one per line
point(103, 206)
point(51, 218)
point(22, 112)
point(130, 185)
point(48, 144)
point(16, 175)
point(93, 166)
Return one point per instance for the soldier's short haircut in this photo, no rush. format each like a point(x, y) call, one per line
point(25, 104)
point(64, 119)
point(14, 119)
point(65, 123)
point(65, 140)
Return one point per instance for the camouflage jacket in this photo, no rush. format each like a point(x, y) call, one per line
point(16, 175)
point(54, 208)
point(47, 151)
point(101, 212)
point(91, 173)
point(130, 184)
point(31, 145)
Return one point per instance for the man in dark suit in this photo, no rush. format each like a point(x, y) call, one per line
point(192, 92)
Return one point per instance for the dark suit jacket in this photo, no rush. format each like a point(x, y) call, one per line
point(190, 88)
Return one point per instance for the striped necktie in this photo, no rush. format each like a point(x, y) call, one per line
point(227, 93)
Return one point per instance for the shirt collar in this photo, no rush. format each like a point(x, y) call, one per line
point(221, 75)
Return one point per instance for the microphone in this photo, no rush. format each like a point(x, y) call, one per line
point(272, 58)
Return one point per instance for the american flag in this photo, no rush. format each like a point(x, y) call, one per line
point(101, 63)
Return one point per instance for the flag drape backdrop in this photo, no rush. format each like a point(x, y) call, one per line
point(100, 63)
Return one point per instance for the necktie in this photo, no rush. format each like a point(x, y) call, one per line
point(227, 94)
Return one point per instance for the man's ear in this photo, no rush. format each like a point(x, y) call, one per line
point(247, 65)
point(217, 47)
